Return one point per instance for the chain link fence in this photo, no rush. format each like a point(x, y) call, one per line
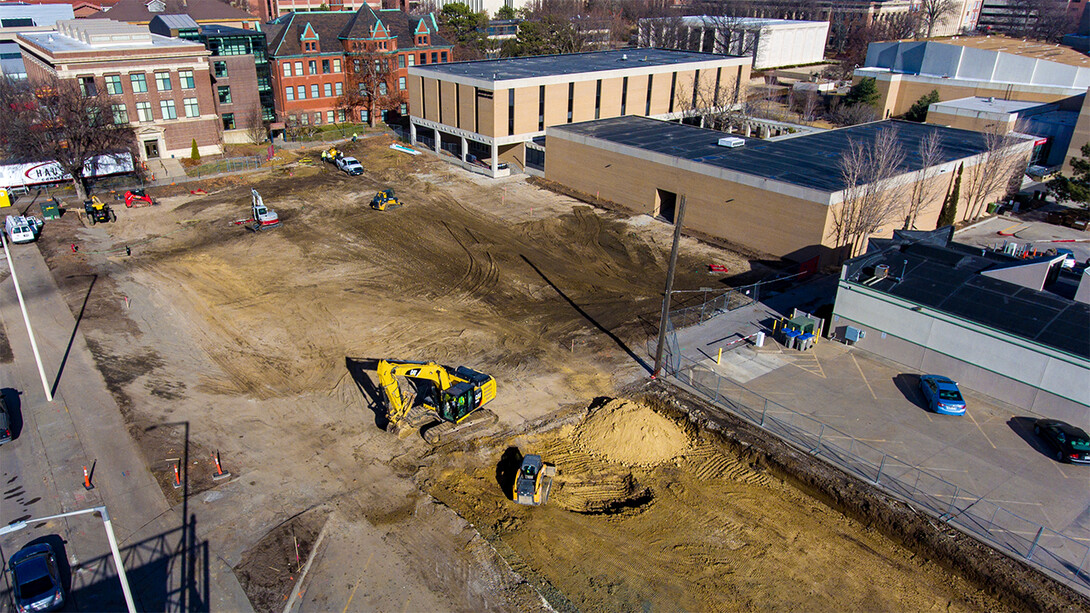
point(1059, 554)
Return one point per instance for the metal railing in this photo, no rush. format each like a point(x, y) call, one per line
point(1063, 556)
point(227, 165)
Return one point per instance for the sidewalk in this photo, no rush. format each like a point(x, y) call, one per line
point(169, 565)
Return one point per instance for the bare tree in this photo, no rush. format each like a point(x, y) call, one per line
point(935, 12)
point(66, 121)
point(923, 186)
point(368, 85)
point(997, 172)
point(257, 129)
point(721, 104)
point(872, 196)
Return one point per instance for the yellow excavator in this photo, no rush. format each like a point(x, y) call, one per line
point(446, 402)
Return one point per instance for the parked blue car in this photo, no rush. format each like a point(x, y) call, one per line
point(942, 395)
point(35, 579)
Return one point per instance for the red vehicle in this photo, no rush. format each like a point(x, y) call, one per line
point(137, 197)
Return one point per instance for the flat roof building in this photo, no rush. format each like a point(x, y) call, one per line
point(1007, 326)
point(492, 112)
point(159, 85)
point(772, 197)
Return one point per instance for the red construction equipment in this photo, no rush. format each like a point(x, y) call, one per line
point(137, 197)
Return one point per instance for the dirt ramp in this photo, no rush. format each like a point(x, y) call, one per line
point(631, 433)
point(608, 490)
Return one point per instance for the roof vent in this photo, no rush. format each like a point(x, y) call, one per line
point(732, 142)
point(624, 57)
point(991, 99)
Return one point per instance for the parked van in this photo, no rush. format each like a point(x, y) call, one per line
point(22, 229)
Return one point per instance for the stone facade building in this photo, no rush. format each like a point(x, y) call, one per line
point(159, 85)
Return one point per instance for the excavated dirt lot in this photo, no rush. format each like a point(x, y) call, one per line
point(216, 338)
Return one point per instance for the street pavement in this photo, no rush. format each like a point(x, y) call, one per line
point(169, 566)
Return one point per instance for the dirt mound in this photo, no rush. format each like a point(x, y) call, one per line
point(604, 491)
point(632, 434)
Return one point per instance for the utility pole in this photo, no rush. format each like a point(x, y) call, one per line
point(665, 317)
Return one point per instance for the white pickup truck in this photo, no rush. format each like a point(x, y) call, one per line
point(350, 165)
point(22, 229)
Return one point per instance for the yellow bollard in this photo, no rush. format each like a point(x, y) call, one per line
point(719, 359)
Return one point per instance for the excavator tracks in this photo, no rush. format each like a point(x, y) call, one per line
point(444, 432)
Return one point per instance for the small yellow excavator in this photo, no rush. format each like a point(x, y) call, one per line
point(534, 481)
point(385, 200)
point(447, 401)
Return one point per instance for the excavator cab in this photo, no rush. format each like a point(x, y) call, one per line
point(459, 400)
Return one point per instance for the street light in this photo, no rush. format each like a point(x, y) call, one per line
point(105, 515)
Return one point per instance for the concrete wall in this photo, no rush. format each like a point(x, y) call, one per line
point(791, 44)
point(1081, 135)
point(898, 92)
point(1035, 377)
point(977, 121)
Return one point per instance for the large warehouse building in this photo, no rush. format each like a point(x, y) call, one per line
point(772, 197)
point(1008, 327)
point(492, 112)
point(772, 43)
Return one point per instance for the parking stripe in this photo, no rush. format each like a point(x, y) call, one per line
point(860, 369)
point(981, 430)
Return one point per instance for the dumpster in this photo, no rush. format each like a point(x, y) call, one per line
point(51, 209)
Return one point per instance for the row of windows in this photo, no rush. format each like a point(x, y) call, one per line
point(166, 109)
point(138, 81)
point(312, 65)
point(300, 92)
point(337, 116)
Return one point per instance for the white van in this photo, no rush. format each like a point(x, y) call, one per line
point(21, 229)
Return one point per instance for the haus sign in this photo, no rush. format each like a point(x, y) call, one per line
point(35, 173)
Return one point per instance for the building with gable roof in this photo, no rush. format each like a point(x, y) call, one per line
point(317, 57)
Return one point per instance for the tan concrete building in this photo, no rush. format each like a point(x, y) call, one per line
point(159, 85)
point(492, 113)
point(772, 197)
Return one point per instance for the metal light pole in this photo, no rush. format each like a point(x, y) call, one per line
point(105, 515)
point(26, 319)
point(669, 288)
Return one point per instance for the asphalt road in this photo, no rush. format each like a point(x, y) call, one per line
point(42, 469)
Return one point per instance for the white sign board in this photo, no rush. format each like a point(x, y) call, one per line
point(34, 173)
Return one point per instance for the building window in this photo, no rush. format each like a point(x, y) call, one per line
point(139, 83)
point(327, 88)
point(219, 69)
point(598, 100)
point(121, 114)
point(404, 109)
point(412, 59)
point(340, 115)
point(696, 87)
point(571, 99)
point(541, 108)
point(325, 66)
point(162, 81)
point(336, 66)
point(292, 118)
point(673, 90)
point(434, 57)
point(363, 116)
point(298, 69)
point(167, 108)
point(191, 107)
point(510, 111)
point(317, 119)
point(287, 69)
point(186, 78)
point(339, 89)
point(313, 66)
point(143, 112)
point(301, 92)
point(401, 61)
point(329, 116)
point(289, 92)
point(228, 121)
point(113, 85)
point(313, 90)
point(650, 80)
point(444, 56)
point(382, 88)
point(224, 92)
point(87, 87)
point(624, 94)
point(401, 83)
point(423, 58)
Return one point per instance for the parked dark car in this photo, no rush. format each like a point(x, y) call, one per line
point(942, 395)
point(5, 422)
point(36, 579)
point(1070, 443)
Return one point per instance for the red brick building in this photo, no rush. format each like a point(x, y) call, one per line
point(159, 85)
point(317, 56)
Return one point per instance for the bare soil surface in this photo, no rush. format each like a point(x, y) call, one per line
point(215, 338)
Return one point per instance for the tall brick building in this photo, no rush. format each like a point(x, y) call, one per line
point(317, 56)
point(159, 85)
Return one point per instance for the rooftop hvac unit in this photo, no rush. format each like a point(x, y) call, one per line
point(732, 142)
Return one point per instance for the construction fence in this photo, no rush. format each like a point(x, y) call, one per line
point(1056, 553)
